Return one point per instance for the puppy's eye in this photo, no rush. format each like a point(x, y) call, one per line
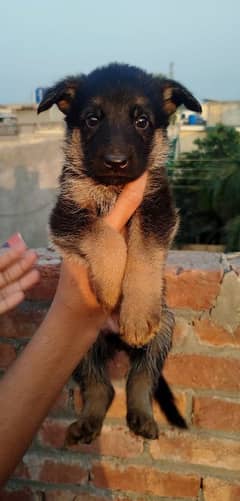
point(92, 121)
point(142, 122)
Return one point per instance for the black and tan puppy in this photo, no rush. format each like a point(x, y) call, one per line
point(116, 129)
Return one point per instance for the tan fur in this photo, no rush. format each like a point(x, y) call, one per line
point(156, 161)
point(159, 153)
point(141, 100)
point(63, 105)
point(66, 248)
point(168, 105)
point(140, 312)
point(73, 151)
point(88, 194)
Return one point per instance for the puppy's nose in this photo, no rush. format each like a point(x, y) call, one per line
point(115, 161)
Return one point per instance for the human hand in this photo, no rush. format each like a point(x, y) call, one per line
point(16, 273)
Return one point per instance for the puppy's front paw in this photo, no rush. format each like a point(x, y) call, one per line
point(106, 285)
point(139, 323)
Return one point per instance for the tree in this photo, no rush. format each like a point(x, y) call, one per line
point(206, 183)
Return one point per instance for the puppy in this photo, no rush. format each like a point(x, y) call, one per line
point(116, 129)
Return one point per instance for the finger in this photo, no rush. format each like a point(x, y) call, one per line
point(13, 240)
point(30, 279)
point(127, 202)
point(18, 269)
point(24, 283)
point(9, 256)
point(11, 301)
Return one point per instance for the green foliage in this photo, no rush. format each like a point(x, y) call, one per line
point(232, 234)
point(206, 183)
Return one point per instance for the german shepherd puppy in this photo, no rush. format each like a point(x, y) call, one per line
point(116, 120)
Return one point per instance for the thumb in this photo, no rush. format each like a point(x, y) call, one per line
point(128, 201)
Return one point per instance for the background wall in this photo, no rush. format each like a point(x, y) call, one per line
point(199, 464)
point(29, 169)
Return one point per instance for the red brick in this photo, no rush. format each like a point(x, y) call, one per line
point(216, 414)
point(46, 287)
point(114, 440)
point(144, 479)
point(39, 468)
point(181, 333)
point(62, 495)
point(118, 409)
point(21, 323)
point(7, 355)
point(220, 490)
point(194, 289)
point(53, 432)
point(200, 371)
point(214, 335)
point(182, 447)
point(21, 494)
point(66, 473)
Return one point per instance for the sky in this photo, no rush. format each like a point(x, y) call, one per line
point(43, 41)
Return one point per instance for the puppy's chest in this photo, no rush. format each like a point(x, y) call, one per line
point(104, 199)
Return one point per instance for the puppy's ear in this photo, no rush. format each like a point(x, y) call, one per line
point(174, 94)
point(61, 94)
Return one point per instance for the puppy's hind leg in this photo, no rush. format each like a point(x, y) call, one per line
point(97, 394)
point(147, 364)
point(139, 401)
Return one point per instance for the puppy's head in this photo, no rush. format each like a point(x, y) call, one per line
point(117, 110)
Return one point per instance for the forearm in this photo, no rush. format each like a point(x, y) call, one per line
point(34, 381)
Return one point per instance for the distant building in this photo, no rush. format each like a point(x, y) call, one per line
point(190, 126)
point(8, 124)
point(29, 121)
point(225, 112)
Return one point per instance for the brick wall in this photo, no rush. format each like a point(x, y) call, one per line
point(200, 464)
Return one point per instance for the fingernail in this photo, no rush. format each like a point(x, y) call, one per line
point(15, 239)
